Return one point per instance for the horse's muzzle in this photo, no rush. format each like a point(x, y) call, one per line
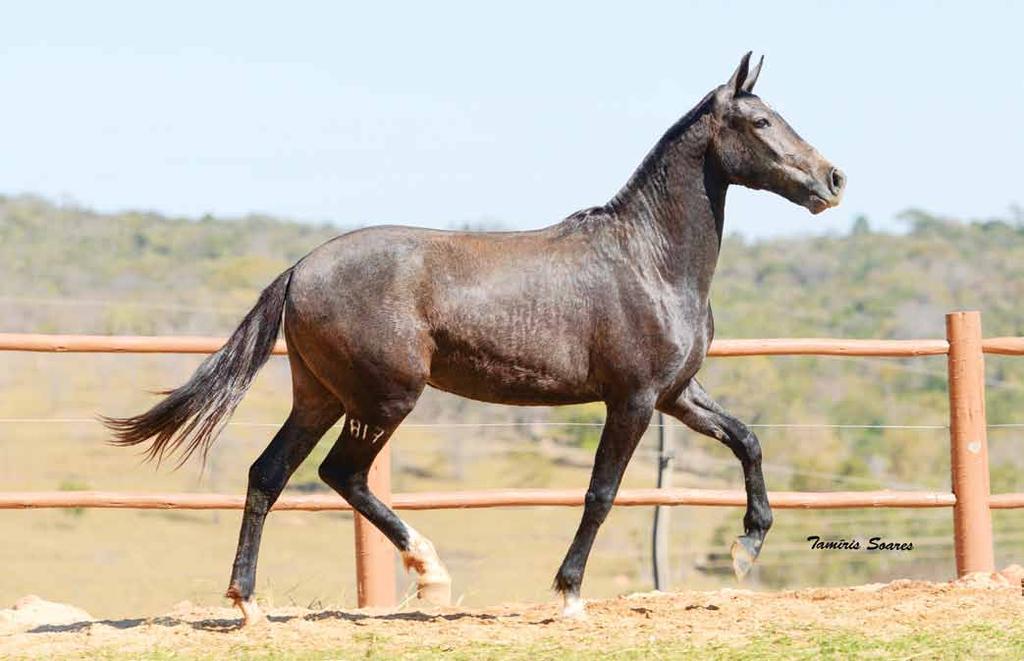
point(826, 193)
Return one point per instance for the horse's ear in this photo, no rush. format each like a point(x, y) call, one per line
point(735, 84)
point(748, 84)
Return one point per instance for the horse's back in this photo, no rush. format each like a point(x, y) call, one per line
point(380, 269)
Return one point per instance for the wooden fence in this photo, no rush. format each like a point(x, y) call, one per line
point(970, 499)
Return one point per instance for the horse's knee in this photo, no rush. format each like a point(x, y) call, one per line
point(752, 448)
point(599, 497)
point(598, 502)
point(745, 447)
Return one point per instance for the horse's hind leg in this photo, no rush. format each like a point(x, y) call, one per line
point(345, 469)
point(314, 410)
point(699, 412)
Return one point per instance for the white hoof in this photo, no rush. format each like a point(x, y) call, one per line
point(434, 585)
point(253, 615)
point(574, 608)
point(438, 593)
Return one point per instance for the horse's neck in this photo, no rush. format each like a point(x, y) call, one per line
point(674, 208)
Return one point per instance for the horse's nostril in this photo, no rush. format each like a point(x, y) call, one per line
point(836, 180)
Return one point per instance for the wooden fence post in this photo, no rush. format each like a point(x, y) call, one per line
point(972, 519)
point(375, 555)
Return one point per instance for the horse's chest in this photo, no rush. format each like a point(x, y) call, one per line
point(687, 346)
point(675, 344)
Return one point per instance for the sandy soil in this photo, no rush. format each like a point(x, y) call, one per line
point(721, 618)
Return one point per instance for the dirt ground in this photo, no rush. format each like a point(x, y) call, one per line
point(903, 619)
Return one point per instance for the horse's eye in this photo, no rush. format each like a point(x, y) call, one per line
point(761, 123)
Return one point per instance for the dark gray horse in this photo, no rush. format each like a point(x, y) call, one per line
point(610, 305)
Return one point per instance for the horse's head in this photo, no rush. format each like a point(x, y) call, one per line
point(758, 149)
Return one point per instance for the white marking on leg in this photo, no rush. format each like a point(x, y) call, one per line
point(574, 608)
point(434, 583)
point(252, 614)
point(422, 557)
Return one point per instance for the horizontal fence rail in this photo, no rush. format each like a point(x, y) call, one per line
point(970, 498)
point(116, 343)
point(1006, 346)
point(488, 498)
point(798, 346)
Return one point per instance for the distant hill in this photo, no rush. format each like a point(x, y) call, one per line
point(73, 270)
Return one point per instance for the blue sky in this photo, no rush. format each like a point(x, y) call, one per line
point(442, 113)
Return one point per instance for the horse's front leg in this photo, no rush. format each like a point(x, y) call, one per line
point(698, 411)
point(625, 423)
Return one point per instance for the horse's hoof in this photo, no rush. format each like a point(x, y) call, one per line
point(743, 556)
point(574, 608)
point(252, 614)
point(435, 584)
point(437, 593)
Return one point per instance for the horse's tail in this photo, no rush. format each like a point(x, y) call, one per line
point(191, 415)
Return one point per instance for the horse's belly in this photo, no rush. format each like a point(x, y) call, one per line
point(490, 379)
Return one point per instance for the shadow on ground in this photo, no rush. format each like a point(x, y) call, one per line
point(227, 625)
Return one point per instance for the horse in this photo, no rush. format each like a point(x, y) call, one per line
point(611, 304)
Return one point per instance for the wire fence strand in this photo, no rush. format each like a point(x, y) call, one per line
point(538, 423)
